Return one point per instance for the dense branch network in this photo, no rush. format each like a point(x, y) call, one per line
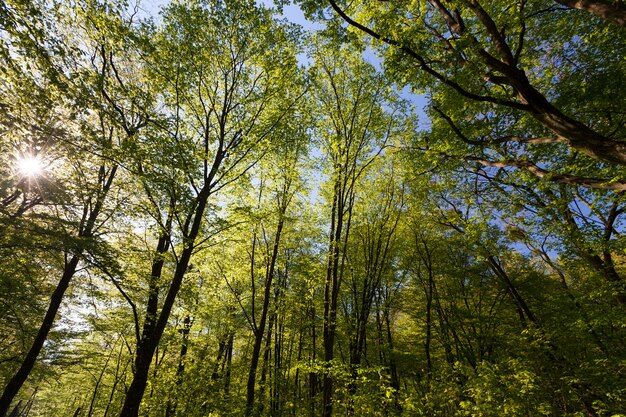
point(503, 70)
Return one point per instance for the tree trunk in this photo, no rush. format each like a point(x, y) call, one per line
point(229, 361)
point(429, 304)
point(221, 349)
point(312, 358)
point(152, 336)
point(266, 360)
point(330, 298)
point(18, 379)
point(94, 396)
point(260, 330)
point(86, 228)
point(16, 410)
point(117, 379)
point(395, 382)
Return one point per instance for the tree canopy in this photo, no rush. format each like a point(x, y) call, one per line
point(416, 208)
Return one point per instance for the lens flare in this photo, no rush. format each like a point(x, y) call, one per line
point(29, 166)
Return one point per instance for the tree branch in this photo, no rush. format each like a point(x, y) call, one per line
point(541, 173)
point(611, 11)
point(424, 64)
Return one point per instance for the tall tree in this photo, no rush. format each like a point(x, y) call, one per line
point(222, 105)
point(354, 128)
point(371, 252)
point(284, 184)
point(54, 64)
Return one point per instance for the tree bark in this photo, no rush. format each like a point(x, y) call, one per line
point(612, 11)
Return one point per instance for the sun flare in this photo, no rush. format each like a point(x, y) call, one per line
point(29, 166)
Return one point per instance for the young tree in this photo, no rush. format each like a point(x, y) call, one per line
point(371, 252)
point(283, 186)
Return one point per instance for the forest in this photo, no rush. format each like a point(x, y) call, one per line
point(399, 208)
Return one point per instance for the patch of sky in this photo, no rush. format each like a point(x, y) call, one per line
point(148, 9)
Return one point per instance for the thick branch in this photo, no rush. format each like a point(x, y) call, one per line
point(501, 46)
point(611, 11)
point(424, 65)
point(503, 139)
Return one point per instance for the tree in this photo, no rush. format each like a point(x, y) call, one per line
point(222, 104)
point(493, 86)
point(354, 128)
point(80, 241)
point(233, 227)
point(371, 252)
point(284, 185)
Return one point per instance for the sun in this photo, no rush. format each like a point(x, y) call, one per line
point(30, 166)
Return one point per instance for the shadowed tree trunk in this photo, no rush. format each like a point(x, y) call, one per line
point(154, 327)
point(86, 229)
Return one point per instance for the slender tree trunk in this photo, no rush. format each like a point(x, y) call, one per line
point(330, 297)
point(279, 336)
point(266, 360)
point(395, 382)
point(229, 361)
point(116, 381)
point(312, 359)
point(221, 350)
point(357, 343)
point(16, 410)
point(342, 207)
point(444, 328)
point(170, 409)
point(429, 304)
point(260, 330)
point(425, 253)
point(278, 346)
point(298, 359)
point(98, 381)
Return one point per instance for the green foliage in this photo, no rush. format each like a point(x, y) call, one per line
point(474, 268)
